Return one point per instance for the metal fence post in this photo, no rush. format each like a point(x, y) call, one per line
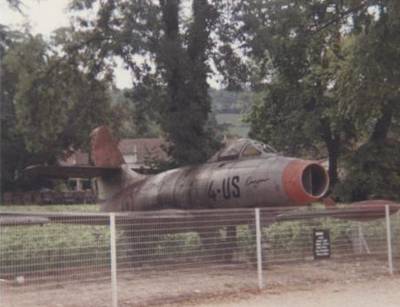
point(389, 239)
point(360, 238)
point(114, 289)
point(259, 256)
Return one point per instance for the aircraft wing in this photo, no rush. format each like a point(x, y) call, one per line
point(22, 220)
point(63, 172)
point(351, 214)
point(197, 219)
point(358, 211)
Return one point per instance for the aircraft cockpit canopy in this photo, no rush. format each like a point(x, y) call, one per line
point(243, 149)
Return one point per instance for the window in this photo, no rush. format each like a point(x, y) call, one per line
point(250, 151)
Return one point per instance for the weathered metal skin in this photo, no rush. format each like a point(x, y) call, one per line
point(261, 182)
point(243, 174)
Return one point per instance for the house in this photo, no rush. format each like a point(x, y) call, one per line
point(139, 154)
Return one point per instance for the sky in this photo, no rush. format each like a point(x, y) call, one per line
point(44, 16)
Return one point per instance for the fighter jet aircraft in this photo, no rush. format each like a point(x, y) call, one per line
point(244, 174)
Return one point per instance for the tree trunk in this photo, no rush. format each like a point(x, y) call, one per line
point(333, 155)
point(332, 142)
point(382, 126)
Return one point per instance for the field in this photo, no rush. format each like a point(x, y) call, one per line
point(234, 124)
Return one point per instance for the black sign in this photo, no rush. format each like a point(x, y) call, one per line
point(322, 244)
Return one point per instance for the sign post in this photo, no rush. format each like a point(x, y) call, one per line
point(321, 244)
point(259, 253)
point(389, 239)
point(113, 252)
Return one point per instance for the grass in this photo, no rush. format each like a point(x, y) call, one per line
point(49, 246)
point(34, 248)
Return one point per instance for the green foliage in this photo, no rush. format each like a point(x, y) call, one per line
point(296, 56)
point(367, 86)
point(277, 112)
point(182, 244)
point(14, 155)
point(370, 74)
point(325, 83)
point(186, 101)
point(372, 172)
point(286, 237)
point(134, 117)
point(53, 111)
point(45, 243)
point(46, 109)
point(170, 80)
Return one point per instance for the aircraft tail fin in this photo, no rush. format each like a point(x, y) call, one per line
point(104, 149)
point(106, 154)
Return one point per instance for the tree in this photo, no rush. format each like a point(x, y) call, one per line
point(53, 111)
point(186, 101)
point(373, 171)
point(328, 80)
point(370, 74)
point(295, 110)
point(47, 109)
point(168, 52)
point(13, 152)
point(367, 87)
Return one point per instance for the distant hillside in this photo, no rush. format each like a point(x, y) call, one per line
point(232, 124)
point(229, 109)
point(230, 102)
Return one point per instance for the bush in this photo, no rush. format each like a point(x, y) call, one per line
point(372, 172)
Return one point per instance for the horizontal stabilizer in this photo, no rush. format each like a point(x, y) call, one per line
point(22, 220)
point(64, 172)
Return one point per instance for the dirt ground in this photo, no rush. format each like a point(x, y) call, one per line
point(382, 291)
point(354, 282)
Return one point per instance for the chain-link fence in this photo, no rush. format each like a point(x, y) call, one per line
point(154, 258)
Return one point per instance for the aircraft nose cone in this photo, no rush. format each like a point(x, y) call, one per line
point(305, 181)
